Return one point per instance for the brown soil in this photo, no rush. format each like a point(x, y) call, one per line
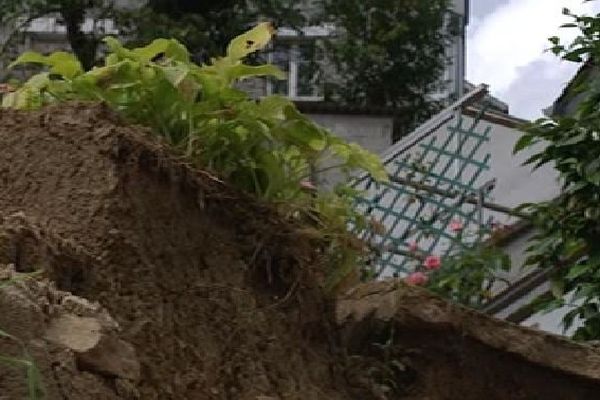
point(461, 354)
point(217, 295)
point(175, 256)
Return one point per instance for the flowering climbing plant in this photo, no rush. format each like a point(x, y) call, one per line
point(467, 276)
point(435, 233)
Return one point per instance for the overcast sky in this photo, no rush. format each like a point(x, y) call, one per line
point(506, 40)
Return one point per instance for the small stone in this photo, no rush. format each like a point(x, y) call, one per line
point(76, 333)
point(95, 350)
point(112, 357)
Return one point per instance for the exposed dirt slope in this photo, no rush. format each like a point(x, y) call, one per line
point(161, 282)
point(203, 282)
point(462, 354)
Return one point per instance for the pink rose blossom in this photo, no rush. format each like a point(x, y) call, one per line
point(432, 262)
point(308, 185)
point(416, 279)
point(413, 246)
point(6, 88)
point(497, 226)
point(456, 226)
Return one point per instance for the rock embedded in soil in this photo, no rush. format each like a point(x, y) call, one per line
point(41, 319)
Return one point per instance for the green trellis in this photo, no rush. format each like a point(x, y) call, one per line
point(433, 182)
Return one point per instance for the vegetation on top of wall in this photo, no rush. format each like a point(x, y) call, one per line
point(264, 147)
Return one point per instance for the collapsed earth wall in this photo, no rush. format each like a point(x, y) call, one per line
point(159, 281)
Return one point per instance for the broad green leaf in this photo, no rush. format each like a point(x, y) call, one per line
point(171, 49)
point(523, 142)
point(61, 63)
point(147, 53)
point(251, 41)
point(29, 95)
point(548, 306)
point(317, 144)
point(118, 51)
point(272, 107)
point(242, 71)
point(341, 150)
point(29, 57)
point(585, 291)
point(175, 74)
point(64, 64)
point(38, 81)
point(304, 134)
point(210, 86)
point(10, 100)
point(572, 140)
point(577, 271)
point(177, 52)
point(358, 158)
point(103, 73)
point(568, 319)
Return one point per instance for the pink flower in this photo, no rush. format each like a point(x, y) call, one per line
point(6, 88)
point(497, 226)
point(432, 262)
point(413, 246)
point(456, 226)
point(416, 279)
point(308, 185)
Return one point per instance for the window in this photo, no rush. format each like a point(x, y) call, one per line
point(300, 61)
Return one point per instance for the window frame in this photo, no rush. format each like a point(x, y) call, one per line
point(294, 39)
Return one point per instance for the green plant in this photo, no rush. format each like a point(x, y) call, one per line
point(33, 379)
point(25, 361)
point(469, 276)
point(265, 147)
point(567, 242)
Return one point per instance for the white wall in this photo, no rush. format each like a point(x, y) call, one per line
point(372, 132)
point(517, 184)
point(552, 321)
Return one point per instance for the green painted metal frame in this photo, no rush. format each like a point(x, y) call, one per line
point(452, 163)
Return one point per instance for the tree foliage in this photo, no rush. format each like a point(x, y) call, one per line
point(569, 227)
point(16, 15)
point(389, 53)
point(205, 27)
